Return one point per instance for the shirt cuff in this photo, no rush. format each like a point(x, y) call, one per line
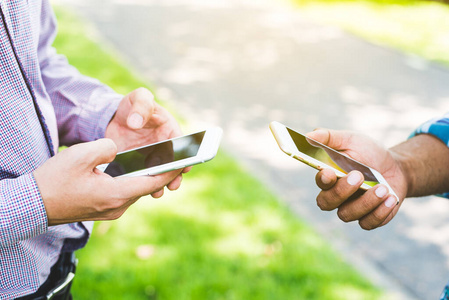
point(23, 212)
point(93, 123)
point(439, 128)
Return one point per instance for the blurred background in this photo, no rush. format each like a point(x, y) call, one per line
point(246, 225)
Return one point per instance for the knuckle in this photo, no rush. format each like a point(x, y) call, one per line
point(109, 206)
point(116, 214)
point(108, 145)
point(323, 203)
point(344, 215)
point(75, 152)
point(113, 211)
point(378, 217)
point(365, 205)
point(114, 205)
point(366, 226)
point(111, 149)
point(144, 93)
point(337, 193)
point(142, 90)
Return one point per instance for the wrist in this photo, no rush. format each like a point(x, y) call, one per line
point(405, 165)
point(423, 160)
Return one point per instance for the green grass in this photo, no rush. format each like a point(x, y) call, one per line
point(207, 242)
point(90, 59)
point(415, 27)
point(223, 235)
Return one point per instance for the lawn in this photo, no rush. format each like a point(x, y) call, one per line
point(414, 27)
point(223, 235)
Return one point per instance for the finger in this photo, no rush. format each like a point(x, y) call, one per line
point(343, 189)
point(391, 215)
point(335, 139)
point(144, 185)
point(325, 179)
point(363, 205)
point(142, 108)
point(158, 194)
point(160, 116)
point(379, 215)
point(186, 170)
point(175, 184)
point(98, 152)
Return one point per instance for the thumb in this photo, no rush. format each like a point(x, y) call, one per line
point(145, 185)
point(338, 140)
point(142, 108)
point(100, 151)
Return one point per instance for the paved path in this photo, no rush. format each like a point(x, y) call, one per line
point(241, 64)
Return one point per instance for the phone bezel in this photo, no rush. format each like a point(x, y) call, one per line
point(206, 151)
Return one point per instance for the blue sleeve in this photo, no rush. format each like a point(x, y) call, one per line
point(438, 127)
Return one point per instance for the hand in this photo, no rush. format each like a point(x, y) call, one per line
point(74, 190)
point(373, 208)
point(139, 121)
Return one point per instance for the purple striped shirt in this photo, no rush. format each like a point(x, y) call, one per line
point(44, 102)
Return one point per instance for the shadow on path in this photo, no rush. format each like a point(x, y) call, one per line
point(240, 65)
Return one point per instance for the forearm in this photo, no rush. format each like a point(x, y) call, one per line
point(424, 161)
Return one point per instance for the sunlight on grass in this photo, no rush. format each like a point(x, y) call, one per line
point(177, 248)
point(344, 291)
point(83, 53)
point(223, 235)
point(417, 27)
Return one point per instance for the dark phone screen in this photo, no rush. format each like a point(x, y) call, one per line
point(329, 156)
point(154, 155)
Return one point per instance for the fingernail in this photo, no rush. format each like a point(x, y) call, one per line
point(325, 179)
point(391, 201)
point(354, 178)
point(381, 191)
point(135, 121)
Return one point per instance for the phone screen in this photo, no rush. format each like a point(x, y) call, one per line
point(330, 156)
point(155, 155)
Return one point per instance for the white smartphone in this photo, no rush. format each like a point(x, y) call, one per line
point(320, 156)
point(164, 156)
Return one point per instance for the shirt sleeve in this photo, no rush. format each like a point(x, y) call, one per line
point(438, 127)
point(83, 105)
point(22, 212)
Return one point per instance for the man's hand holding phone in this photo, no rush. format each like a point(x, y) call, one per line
point(74, 190)
point(139, 120)
point(373, 208)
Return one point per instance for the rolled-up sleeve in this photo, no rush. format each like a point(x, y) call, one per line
point(438, 127)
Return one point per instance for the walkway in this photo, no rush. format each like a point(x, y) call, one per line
point(242, 64)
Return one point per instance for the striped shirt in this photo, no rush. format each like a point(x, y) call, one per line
point(44, 103)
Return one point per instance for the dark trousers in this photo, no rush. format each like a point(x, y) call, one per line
point(58, 284)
